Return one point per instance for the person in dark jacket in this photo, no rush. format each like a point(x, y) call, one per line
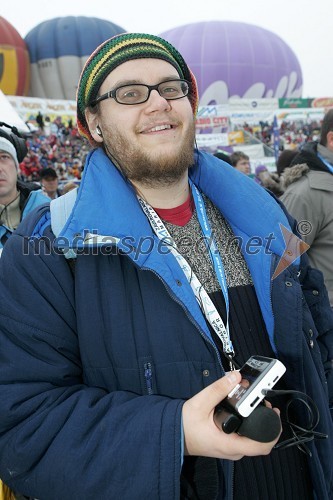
point(17, 198)
point(308, 197)
point(119, 326)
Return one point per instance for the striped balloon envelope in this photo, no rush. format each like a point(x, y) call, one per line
point(59, 48)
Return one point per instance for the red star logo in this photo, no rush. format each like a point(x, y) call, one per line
point(295, 247)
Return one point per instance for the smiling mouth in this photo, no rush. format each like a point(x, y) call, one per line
point(158, 128)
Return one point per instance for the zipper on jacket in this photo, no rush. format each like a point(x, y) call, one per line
point(148, 378)
point(178, 301)
point(272, 264)
point(203, 335)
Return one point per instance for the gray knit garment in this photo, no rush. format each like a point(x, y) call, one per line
point(190, 243)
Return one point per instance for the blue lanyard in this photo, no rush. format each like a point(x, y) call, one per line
point(328, 165)
point(210, 244)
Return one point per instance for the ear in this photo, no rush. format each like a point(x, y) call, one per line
point(329, 139)
point(93, 120)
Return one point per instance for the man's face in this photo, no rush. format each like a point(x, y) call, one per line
point(151, 142)
point(243, 166)
point(8, 178)
point(50, 185)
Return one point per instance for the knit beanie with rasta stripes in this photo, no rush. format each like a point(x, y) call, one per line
point(117, 50)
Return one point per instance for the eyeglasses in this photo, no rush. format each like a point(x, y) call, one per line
point(138, 93)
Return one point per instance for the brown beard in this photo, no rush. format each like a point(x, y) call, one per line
point(149, 171)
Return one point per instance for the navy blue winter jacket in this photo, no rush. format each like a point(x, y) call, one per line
point(95, 369)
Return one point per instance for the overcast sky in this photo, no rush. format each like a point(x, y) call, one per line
point(306, 26)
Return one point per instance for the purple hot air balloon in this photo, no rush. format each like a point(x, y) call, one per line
point(232, 59)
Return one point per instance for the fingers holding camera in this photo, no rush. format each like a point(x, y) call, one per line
point(204, 437)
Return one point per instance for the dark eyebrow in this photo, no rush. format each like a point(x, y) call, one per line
point(120, 83)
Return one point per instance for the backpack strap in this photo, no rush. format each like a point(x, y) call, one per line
point(60, 210)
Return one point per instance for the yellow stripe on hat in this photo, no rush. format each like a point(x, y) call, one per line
point(95, 71)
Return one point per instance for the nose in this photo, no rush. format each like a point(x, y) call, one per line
point(157, 103)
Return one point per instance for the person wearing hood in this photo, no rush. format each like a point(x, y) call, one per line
point(17, 198)
point(308, 197)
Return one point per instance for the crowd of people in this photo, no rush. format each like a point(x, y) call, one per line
point(62, 149)
point(292, 134)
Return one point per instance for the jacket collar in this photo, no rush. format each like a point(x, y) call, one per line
point(250, 210)
point(107, 205)
point(309, 155)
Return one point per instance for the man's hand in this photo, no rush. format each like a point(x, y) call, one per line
point(203, 437)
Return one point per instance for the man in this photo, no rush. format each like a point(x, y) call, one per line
point(49, 181)
point(17, 198)
point(240, 161)
point(121, 354)
point(309, 198)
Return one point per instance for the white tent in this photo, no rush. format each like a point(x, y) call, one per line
point(10, 116)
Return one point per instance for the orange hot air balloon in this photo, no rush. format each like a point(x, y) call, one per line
point(14, 61)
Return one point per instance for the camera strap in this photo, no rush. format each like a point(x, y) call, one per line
point(207, 307)
point(301, 434)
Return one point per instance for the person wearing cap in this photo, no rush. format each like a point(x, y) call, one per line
point(17, 198)
point(49, 181)
point(119, 357)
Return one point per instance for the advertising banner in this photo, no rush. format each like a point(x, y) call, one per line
point(236, 137)
point(269, 104)
point(254, 151)
point(28, 108)
point(290, 102)
point(305, 115)
point(204, 122)
point(322, 102)
point(212, 142)
point(212, 120)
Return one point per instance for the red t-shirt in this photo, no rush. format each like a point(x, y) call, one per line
point(179, 215)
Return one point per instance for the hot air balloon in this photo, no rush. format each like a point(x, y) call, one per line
point(14, 61)
point(233, 59)
point(58, 49)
